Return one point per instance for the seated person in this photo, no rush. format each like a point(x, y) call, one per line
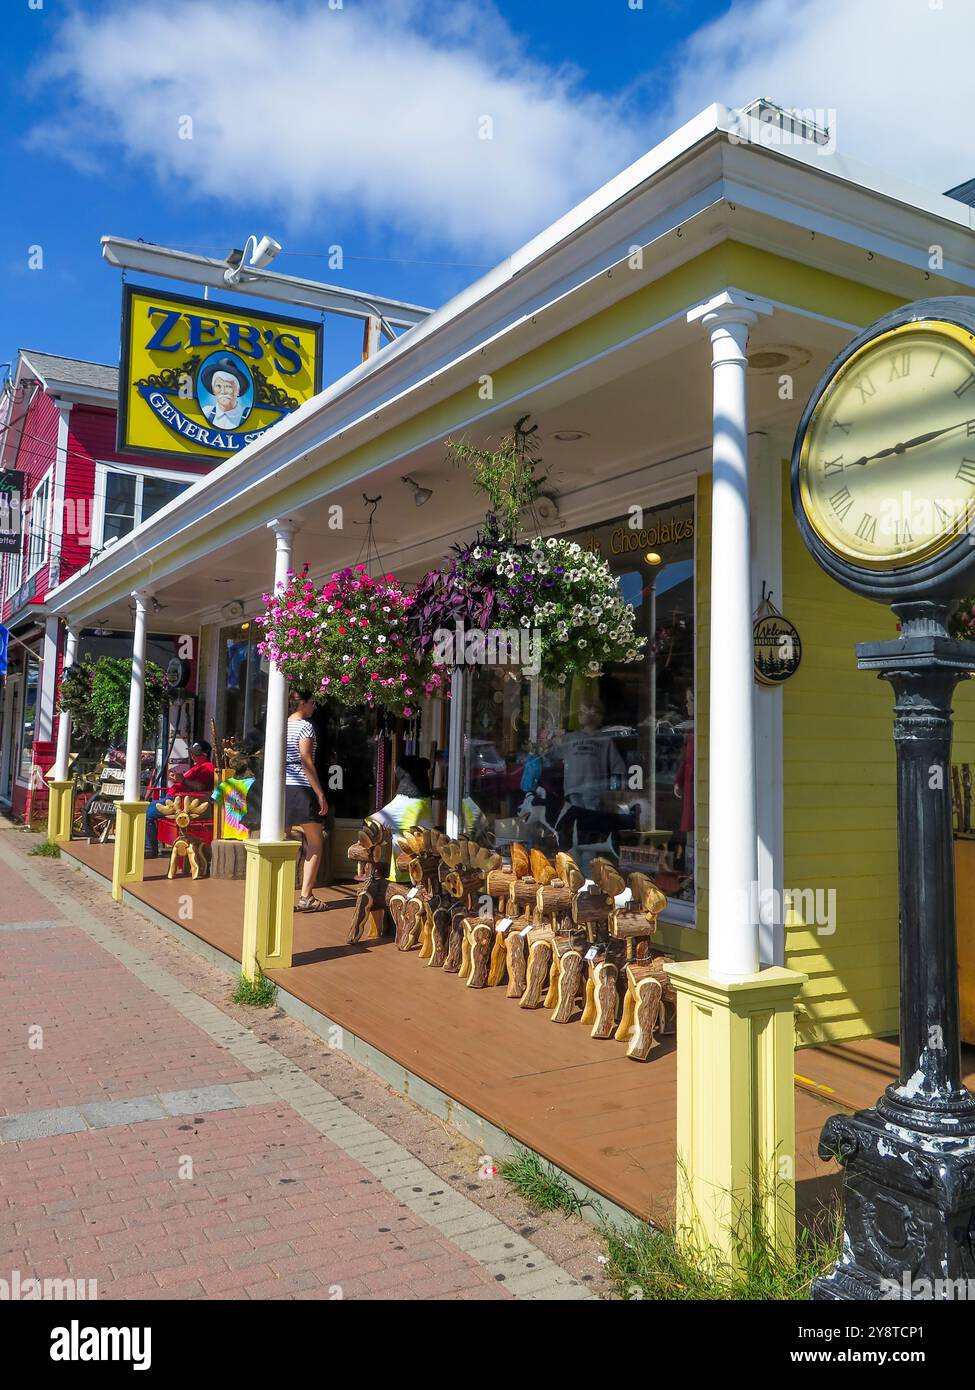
point(196, 781)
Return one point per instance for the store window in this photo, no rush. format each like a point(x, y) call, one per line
point(241, 682)
point(40, 526)
point(125, 497)
point(603, 765)
point(28, 719)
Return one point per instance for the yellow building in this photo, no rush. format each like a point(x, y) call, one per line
point(726, 254)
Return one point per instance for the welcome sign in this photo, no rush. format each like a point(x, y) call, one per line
point(200, 380)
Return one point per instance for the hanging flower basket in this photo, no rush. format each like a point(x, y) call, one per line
point(552, 589)
point(350, 640)
point(96, 695)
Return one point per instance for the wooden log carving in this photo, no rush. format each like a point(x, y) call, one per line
point(439, 932)
point(499, 959)
point(540, 942)
point(642, 1012)
point(605, 973)
point(407, 913)
point(480, 937)
point(455, 941)
point(516, 961)
point(569, 979)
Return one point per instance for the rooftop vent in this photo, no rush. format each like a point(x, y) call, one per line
point(795, 123)
point(963, 192)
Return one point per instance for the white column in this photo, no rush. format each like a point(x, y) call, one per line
point(455, 752)
point(47, 692)
point(275, 731)
point(733, 927)
point(133, 742)
point(64, 719)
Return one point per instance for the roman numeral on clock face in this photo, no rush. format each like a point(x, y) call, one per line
point(833, 465)
point(902, 533)
point(867, 389)
point(966, 472)
point(900, 366)
point(966, 385)
point(867, 530)
point(841, 501)
point(841, 425)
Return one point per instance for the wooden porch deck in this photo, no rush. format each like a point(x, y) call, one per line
point(579, 1103)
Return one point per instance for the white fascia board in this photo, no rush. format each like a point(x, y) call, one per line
point(831, 206)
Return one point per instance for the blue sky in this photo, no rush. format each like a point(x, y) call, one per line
point(360, 125)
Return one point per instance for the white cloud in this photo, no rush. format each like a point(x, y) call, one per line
point(897, 73)
point(312, 110)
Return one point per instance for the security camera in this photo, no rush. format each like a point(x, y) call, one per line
point(264, 252)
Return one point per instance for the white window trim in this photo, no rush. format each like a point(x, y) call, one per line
point(46, 481)
point(103, 468)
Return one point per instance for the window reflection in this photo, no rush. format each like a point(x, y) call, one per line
point(602, 766)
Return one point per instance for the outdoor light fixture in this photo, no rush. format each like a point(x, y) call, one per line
point(652, 558)
point(421, 495)
point(262, 253)
point(570, 436)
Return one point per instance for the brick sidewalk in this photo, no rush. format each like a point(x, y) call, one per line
point(150, 1141)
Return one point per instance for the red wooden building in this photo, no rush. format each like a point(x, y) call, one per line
point(57, 427)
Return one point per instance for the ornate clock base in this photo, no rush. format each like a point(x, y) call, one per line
point(909, 1211)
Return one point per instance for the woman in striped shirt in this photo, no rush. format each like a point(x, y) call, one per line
point(305, 806)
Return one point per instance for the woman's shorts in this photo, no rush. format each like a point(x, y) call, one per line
point(300, 807)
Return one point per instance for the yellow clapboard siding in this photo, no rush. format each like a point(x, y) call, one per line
point(839, 802)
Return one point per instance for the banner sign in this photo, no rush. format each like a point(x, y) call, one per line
point(200, 380)
point(11, 510)
point(4, 634)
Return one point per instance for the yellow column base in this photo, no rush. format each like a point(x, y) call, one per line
point(128, 865)
point(736, 1125)
point(269, 902)
point(60, 810)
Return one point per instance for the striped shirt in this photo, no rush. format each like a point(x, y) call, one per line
point(295, 774)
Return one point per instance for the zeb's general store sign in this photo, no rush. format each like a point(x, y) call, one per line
point(200, 380)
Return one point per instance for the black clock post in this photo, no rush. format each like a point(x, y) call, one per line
point(909, 1180)
point(909, 1188)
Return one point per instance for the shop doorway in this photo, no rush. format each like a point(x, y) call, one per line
point(9, 741)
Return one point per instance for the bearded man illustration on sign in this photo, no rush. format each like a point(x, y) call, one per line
point(228, 381)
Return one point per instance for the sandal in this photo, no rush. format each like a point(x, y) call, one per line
point(312, 904)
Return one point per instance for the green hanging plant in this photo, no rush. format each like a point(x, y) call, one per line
point(506, 475)
point(97, 696)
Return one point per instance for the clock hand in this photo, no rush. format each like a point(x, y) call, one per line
point(908, 444)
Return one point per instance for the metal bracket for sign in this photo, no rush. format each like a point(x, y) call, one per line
point(266, 284)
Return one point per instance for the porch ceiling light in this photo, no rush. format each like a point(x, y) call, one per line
point(421, 495)
point(652, 558)
point(570, 436)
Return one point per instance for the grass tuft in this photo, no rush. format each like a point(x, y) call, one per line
point(47, 849)
point(664, 1265)
point(652, 1264)
point(543, 1187)
point(259, 993)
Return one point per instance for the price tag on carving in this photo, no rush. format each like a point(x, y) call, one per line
point(413, 892)
point(503, 925)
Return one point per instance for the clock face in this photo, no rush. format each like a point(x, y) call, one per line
point(887, 465)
